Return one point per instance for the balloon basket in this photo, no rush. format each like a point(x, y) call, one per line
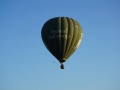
point(62, 66)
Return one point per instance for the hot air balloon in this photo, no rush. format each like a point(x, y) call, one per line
point(61, 36)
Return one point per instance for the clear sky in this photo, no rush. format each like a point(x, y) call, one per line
point(26, 64)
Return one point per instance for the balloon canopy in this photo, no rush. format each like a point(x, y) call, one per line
point(61, 36)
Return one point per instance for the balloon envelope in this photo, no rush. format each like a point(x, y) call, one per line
point(61, 36)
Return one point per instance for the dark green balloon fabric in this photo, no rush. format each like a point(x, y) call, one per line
point(61, 36)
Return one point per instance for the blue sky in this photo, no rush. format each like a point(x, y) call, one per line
point(25, 63)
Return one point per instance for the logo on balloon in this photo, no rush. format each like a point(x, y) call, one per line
point(58, 34)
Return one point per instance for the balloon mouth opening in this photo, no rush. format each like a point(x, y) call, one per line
point(62, 61)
